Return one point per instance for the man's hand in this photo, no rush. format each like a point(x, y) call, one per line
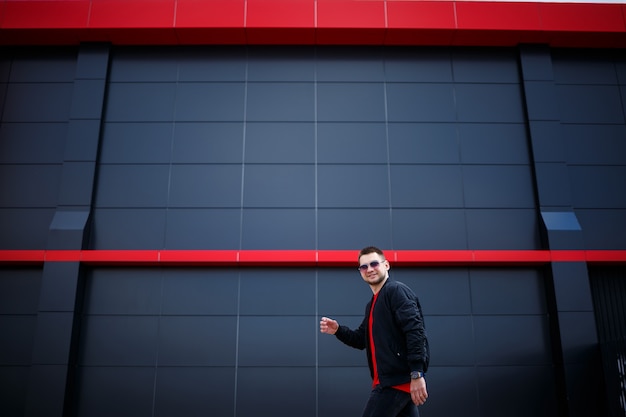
point(418, 391)
point(328, 326)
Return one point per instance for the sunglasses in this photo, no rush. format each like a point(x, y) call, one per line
point(373, 264)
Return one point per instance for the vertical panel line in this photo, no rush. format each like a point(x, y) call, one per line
point(388, 147)
point(243, 167)
point(315, 142)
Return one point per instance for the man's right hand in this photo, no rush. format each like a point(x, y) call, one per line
point(328, 326)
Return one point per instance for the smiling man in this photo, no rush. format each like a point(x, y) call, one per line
point(392, 332)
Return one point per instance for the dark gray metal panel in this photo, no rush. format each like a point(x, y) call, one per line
point(43, 65)
point(218, 142)
point(281, 64)
point(425, 143)
point(351, 384)
point(115, 291)
point(279, 186)
point(571, 283)
point(3, 93)
point(351, 143)
point(344, 186)
point(25, 228)
point(508, 388)
point(257, 391)
point(203, 228)
point(579, 334)
point(540, 95)
point(452, 339)
point(144, 64)
point(17, 349)
point(46, 390)
point(512, 340)
point(215, 185)
point(14, 384)
point(93, 62)
point(278, 228)
point(191, 341)
point(198, 292)
point(59, 286)
point(418, 65)
point(86, 99)
point(206, 102)
point(498, 291)
point(349, 64)
point(256, 298)
point(133, 186)
point(141, 102)
point(536, 63)
point(478, 65)
point(620, 68)
point(501, 186)
point(284, 102)
point(548, 141)
point(129, 341)
point(554, 188)
point(6, 60)
point(136, 143)
point(603, 228)
point(353, 228)
point(53, 337)
point(413, 102)
point(489, 103)
point(463, 389)
point(426, 186)
point(130, 391)
point(213, 64)
point(32, 143)
point(595, 144)
point(37, 102)
point(19, 290)
point(259, 337)
point(77, 182)
point(592, 67)
point(598, 186)
point(496, 229)
point(193, 384)
point(128, 228)
point(283, 142)
point(83, 139)
point(29, 185)
point(492, 143)
point(590, 104)
point(351, 102)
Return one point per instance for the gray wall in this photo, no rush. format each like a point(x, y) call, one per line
point(301, 148)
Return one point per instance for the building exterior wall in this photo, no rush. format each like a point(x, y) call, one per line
point(107, 148)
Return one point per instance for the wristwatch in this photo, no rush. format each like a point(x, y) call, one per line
point(417, 375)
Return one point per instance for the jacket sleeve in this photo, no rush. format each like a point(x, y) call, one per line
point(408, 316)
point(354, 338)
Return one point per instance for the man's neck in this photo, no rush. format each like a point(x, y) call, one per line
point(377, 287)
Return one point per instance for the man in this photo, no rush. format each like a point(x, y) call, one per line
point(392, 332)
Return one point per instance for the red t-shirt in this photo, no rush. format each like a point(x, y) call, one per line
point(403, 387)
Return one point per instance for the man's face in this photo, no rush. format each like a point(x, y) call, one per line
point(373, 275)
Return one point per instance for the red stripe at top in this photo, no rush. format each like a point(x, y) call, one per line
point(308, 22)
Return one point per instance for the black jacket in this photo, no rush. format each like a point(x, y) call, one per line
point(399, 335)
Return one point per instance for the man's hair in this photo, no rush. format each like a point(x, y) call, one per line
point(371, 249)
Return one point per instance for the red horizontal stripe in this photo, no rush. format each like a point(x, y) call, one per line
point(308, 258)
point(306, 22)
